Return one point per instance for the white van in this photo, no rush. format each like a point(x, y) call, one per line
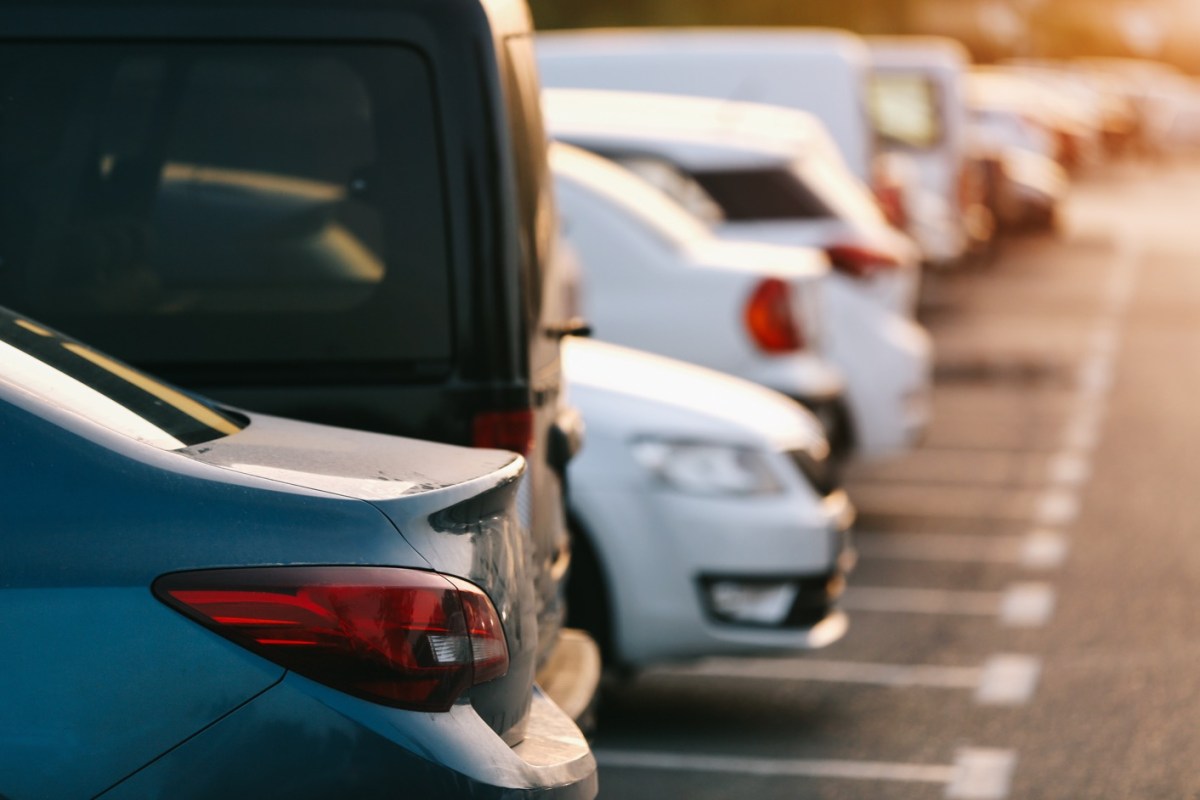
point(917, 101)
point(824, 72)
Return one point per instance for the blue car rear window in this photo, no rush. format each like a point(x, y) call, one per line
point(68, 374)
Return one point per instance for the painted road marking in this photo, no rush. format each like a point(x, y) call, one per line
point(1070, 468)
point(1105, 341)
point(1008, 680)
point(1044, 550)
point(1041, 549)
point(1025, 605)
point(922, 601)
point(1057, 507)
point(813, 670)
point(1096, 375)
point(779, 767)
point(982, 774)
point(1003, 680)
point(976, 774)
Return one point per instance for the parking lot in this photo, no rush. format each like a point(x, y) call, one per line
point(1022, 617)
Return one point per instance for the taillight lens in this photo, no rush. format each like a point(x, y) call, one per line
point(890, 198)
point(859, 262)
point(504, 430)
point(770, 318)
point(401, 637)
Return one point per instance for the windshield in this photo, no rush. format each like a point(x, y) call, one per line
point(218, 204)
point(906, 110)
point(810, 188)
point(73, 376)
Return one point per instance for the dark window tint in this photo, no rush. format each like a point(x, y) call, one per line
point(253, 204)
point(762, 194)
point(73, 376)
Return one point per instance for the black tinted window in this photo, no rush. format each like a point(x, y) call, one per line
point(218, 204)
point(762, 194)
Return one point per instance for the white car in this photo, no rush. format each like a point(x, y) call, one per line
point(657, 279)
point(707, 518)
point(756, 173)
point(918, 110)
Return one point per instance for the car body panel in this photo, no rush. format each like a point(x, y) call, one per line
point(683, 298)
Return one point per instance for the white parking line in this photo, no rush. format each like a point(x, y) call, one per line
point(1024, 605)
point(922, 601)
point(781, 767)
point(1087, 421)
point(805, 669)
point(982, 774)
point(1096, 375)
point(1008, 680)
point(1042, 549)
point(1057, 507)
point(1070, 468)
point(1105, 341)
point(977, 773)
point(939, 547)
point(1003, 680)
point(1027, 605)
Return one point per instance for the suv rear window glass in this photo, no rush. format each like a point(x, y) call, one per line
point(75, 377)
point(225, 204)
point(745, 195)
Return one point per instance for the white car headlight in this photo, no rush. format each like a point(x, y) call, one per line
point(706, 468)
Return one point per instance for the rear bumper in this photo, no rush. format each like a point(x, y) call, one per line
point(302, 740)
point(571, 676)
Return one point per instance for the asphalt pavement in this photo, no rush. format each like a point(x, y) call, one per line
point(1026, 610)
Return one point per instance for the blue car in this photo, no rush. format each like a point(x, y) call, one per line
point(202, 603)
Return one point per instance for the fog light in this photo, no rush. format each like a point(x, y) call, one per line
point(752, 603)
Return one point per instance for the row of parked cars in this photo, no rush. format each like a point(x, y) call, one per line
point(344, 224)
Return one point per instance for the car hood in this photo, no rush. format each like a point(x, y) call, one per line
point(366, 466)
point(625, 393)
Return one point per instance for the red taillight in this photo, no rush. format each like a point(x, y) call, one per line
point(401, 637)
point(859, 262)
point(504, 430)
point(771, 320)
point(890, 198)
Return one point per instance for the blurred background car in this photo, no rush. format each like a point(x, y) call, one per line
point(204, 603)
point(655, 279)
point(915, 97)
point(710, 519)
point(884, 357)
point(755, 172)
